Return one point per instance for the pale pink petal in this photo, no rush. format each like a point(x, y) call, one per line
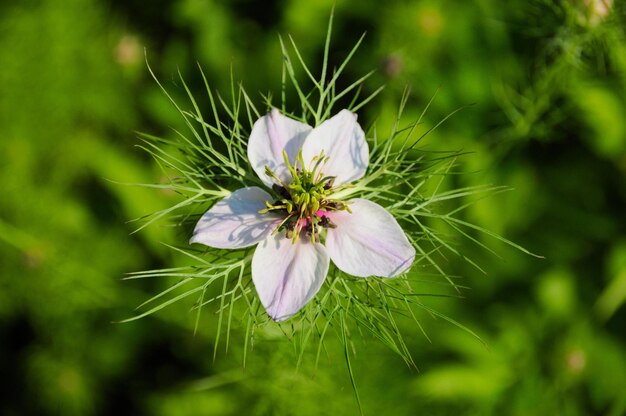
point(235, 222)
point(368, 241)
point(287, 275)
point(342, 139)
point(271, 134)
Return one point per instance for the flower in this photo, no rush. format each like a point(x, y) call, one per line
point(595, 11)
point(305, 167)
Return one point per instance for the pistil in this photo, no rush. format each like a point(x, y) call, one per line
point(305, 200)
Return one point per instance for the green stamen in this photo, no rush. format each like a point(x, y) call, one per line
point(304, 197)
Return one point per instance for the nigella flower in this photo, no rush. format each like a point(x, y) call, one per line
point(302, 226)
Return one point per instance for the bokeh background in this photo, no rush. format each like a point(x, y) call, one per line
point(548, 84)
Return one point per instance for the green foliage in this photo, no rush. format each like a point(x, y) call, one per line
point(547, 80)
point(207, 161)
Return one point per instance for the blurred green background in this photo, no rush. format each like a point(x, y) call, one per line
point(548, 80)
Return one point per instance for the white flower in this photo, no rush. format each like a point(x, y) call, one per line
point(304, 167)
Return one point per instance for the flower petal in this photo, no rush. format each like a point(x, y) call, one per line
point(368, 241)
point(235, 222)
point(271, 134)
point(342, 139)
point(287, 275)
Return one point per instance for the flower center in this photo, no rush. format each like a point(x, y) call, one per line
point(306, 200)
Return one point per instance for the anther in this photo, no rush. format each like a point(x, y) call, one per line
point(303, 199)
point(280, 191)
point(326, 222)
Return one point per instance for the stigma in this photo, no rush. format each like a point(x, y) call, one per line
point(306, 200)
